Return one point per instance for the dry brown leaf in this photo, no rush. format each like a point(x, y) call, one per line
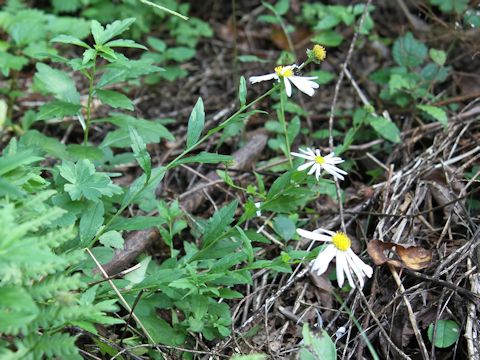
point(413, 257)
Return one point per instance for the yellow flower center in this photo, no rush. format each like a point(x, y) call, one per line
point(319, 52)
point(320, 160)
point(281, 71)
point(341, 241)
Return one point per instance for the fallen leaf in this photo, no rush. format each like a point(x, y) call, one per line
point(413, 257)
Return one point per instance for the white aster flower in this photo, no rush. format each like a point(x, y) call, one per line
point(317, 162)
point(303, 83)
point(348, 262)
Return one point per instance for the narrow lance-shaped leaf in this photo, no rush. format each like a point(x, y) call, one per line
point(91, 221)
point(242, 91)
point(68, 39)
point(114, 99)
point(125, 43)
point(205, 158)
point(436, 112)
point(196, 122)
point(140, 151)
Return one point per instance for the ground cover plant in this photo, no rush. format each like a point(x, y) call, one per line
point(240, 180)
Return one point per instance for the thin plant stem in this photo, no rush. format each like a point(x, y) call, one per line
point(283, 121)
point(91, 78)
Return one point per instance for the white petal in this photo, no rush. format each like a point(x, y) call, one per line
point(335, 160)
point(303, 85)
point(349, 276)
point(306, 165)
point(308, 157)
point(311, 152)
point(288, 87)
point(366, 269)
point(358, 272)
point(341, 264)
point(308, 151)
point(255, 79)
point(334, 168)
point(325, 231)
point(318, 171)
point(314, 235)
point(317, 152)
point(313, 169)
point(320, 265)
point(332, 171)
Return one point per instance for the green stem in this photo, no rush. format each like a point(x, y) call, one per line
point(91, 78)
point(284, 122)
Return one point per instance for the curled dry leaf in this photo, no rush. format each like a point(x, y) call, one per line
point(413, 257)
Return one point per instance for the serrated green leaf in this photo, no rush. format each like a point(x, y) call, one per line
point(385, 128)
point(242, 91)
point(408, 51)
point(140, 151)
point(112, 239)
point(447, 333)
point(97, 31)
point(196, 122)
point(91, 221)
point(57, 110)
point(88, 55)
point(150, 131)
point(102, 35)
point(58, 83)
point(68, 39)
point(17, 309)
point(123, 70)
point(125, 43)
point(436, 112)
point(114, 99)
point(84, 181)
point(218, 223)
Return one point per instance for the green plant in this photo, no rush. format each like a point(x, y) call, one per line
point(39, 296)
point(412, 81)
point(447, 333)
point(325, 20)
point(317, 347)
point(29, 32)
